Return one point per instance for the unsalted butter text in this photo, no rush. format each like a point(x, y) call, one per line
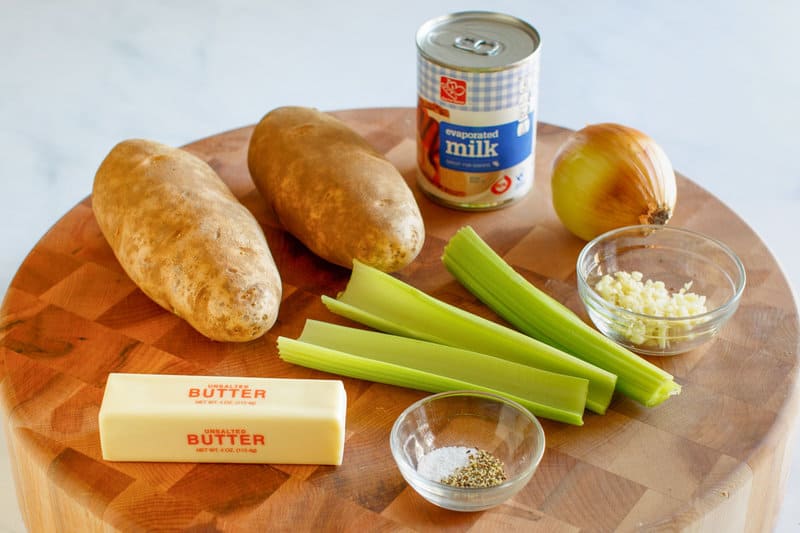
point(227, 392)
point(222, 437)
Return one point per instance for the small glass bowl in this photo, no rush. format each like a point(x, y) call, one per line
point(674, 256)
point(470, 419)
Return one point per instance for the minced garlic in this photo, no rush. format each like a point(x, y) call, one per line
point(627, 290)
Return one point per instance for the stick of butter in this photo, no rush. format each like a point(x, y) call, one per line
point(215, 419)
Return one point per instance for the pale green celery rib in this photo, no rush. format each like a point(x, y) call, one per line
point(383, 302)
point(484, 273)
point(564, 392)
point(432, 367)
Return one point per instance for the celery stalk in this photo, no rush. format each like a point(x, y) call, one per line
point(433, 367)
point(383, 302)
point(484, 273)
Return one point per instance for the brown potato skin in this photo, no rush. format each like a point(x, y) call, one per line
point(186, 241)
point(333, 191)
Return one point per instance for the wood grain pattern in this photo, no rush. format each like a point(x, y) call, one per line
point(713, 458)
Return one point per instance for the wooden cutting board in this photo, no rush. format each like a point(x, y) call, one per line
point(713, 458)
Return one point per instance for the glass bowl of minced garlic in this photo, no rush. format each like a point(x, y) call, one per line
point(659, 290)
point(467, 450)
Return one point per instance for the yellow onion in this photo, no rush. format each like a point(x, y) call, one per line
point(606, 176)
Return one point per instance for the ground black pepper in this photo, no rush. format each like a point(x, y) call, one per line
point(483, 470)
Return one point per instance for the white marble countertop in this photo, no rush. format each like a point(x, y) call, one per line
point(713, 82)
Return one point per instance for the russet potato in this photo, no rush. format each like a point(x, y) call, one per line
point(186, 241)
point(333, 191)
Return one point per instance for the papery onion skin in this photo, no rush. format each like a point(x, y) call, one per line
point(606, 176)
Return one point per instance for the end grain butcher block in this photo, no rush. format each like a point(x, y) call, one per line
point(713, 458)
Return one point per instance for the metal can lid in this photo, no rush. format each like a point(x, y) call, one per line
point(477, 40)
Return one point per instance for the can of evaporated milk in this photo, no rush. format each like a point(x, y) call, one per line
point(477, 83)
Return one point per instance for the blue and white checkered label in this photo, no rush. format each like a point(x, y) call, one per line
point(477, 132)
point(479, 91)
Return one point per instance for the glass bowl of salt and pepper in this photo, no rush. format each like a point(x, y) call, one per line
point(467, 450)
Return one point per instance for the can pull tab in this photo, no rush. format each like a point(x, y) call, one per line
point(476, 45)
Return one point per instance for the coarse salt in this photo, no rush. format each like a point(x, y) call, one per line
point(440, 463)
